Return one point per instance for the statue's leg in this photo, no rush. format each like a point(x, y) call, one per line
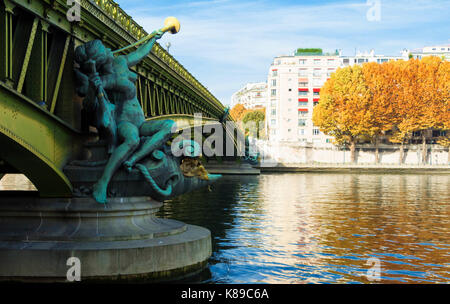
point(159, 132)
point(129, 135)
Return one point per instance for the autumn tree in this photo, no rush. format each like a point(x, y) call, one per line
point(343, 108)
point(422, 101)
point(402, 96)
point(441, 110)
point(237, 112)
point(382, 82)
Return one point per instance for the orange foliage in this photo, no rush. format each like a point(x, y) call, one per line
point(406, 95)
point(403, 96)
point(238, 112)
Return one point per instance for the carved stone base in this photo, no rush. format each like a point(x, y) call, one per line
point(120, 240)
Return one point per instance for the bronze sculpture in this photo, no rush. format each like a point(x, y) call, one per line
point(108, 86)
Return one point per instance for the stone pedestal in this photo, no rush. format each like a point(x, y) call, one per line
point(121, 240)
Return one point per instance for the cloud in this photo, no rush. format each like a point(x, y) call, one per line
point(227, 43)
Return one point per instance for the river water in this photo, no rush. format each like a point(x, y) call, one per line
point(319, 228)
point(323, 228)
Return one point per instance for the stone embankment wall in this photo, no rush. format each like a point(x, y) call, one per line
point(299, 153)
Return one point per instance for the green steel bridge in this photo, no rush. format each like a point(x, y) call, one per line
point(41, 121)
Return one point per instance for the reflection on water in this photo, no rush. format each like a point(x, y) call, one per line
point(16, 182)
point(301, 228)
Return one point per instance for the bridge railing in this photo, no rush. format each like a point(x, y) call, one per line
point(36, 58)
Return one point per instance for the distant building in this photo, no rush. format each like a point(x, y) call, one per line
point(442, 51)
point(365, 57)
point(293, 89)
point(251, 96)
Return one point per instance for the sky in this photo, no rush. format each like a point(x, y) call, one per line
point(228, 43)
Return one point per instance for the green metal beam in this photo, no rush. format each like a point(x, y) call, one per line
point(27, 55)
point(6, 41)
point(39, 144)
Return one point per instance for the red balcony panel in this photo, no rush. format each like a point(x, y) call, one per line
point(303, 90)
point(316, 90)
point(303, 110)
point(316, 100)
point(303, 99)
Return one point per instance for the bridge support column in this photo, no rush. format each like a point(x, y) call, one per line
point(122, 240)
point(6, 41)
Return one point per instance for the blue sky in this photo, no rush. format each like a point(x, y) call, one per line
point(228, 43)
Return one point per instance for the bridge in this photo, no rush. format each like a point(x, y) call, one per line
point(42, 123)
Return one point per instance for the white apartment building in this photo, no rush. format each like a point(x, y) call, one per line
point(442, 51)
point(252, 95)
point(294, 84)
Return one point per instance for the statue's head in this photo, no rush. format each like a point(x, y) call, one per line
point(96, 51)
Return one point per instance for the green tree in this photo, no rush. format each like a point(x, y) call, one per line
point(257, 117)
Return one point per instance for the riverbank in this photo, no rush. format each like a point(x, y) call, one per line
point(355, 168)
point(231, 168)
point(293, 153)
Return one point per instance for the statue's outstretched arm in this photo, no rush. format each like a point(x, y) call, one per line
point(136, 56)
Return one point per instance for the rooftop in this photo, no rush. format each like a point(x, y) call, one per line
point(313, 52)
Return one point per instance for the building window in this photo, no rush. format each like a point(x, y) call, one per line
point(317, 82)
point(302, 93)
point(273, 112)
point(302, 103)
point(273, 122)
point(330, 61)
point(274, 73)
point(302, 84)
point(273, 132)
point(346, 61)
point(329, 72)
point(316, 93)
point(316, 73)
point(316, 61)
point(273, 102)
point(274, 92)
point(316, 132)
point(302, 122)
point(302, 72)
point(274, 82)
point(302, 61)
point(301, 131)
point(302, 113)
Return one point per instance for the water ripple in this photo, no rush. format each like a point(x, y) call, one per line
point(323, 228)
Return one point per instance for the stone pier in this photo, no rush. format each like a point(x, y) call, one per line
point(121, 240)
